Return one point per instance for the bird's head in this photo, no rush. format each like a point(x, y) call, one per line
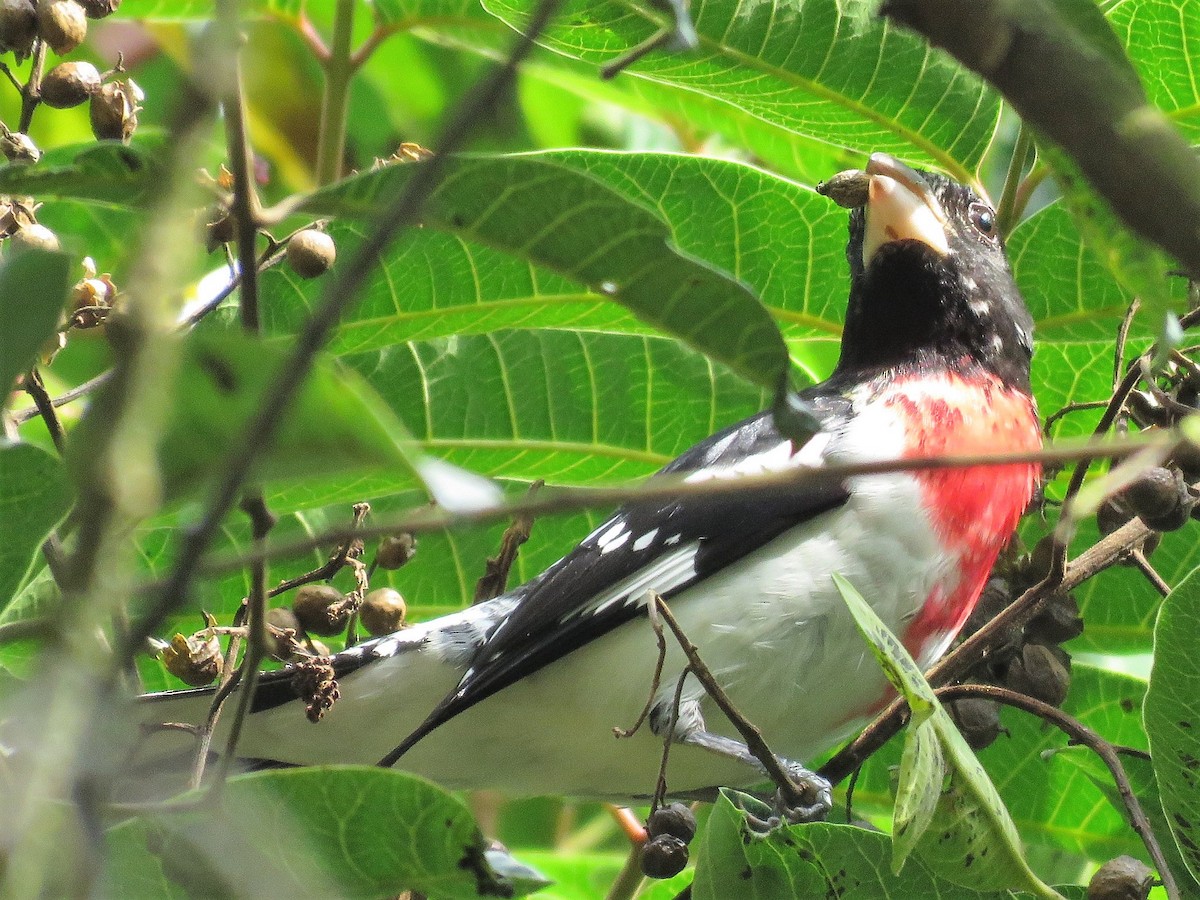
point(929, 281)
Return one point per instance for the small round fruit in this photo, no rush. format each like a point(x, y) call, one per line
point(1058, 622)
point(395, 550)
point(978, 719)
point(279, 647)
point(1160, 498)
point(675, 819)
point(310, 253)
point(62, 24)
point(319, 609)
point(1123, 878)
point(1041, 672)
point(664, 856)
point(18, 26)
point(35, 237)
point(69, 84)
point(113, 110)
point(382, 611)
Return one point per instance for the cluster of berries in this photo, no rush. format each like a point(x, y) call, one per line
point(316, 609)
point(670, 829)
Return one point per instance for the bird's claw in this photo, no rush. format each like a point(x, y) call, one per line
point(815, 801)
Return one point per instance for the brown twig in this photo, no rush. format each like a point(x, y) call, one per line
point(31, 93)
point(656, 680)
point(36, 389)
point(555, 500)
point(1138, 557)
point(668, 736)
point(752, 737)
point(495, 579)
point(1080, 734)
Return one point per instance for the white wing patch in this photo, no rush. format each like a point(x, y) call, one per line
point(777, 459)
point(613, 533)
point(645, 540)
point(664, 574)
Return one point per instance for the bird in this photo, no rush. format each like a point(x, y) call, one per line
point(522, 693)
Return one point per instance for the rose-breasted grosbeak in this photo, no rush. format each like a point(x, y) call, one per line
point(525, 689)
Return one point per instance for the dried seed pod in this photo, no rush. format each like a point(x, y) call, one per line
point(310, 253)
point(978, 719)
point(676, 819)
point(99, 9)
point(18, 26)
point(320, 609)
point(1058, 622)
point(18, 147)
point(1160, 498)
point(1041, 672)
point(194, 660)
point(62, 24)
point(220, 228)
point(70, 83)
point(114, 108)
point(35, 237)
point(395, 550)
point(282, 647)
point(664, 856)
point(847, 189)
point(383, 611)
point(1123, 878)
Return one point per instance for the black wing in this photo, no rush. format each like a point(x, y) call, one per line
point(661, 546)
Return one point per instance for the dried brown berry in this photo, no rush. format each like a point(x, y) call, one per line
point(1041, 672)
point(664, 856)
point(99, 9)
point(283, 646)
point(1123, 878)
point(69, 84)
point(62, 24)
point(320, 609)
point(310, 253)
point(18, 147)
point(35, 237)
point(1160, 498)
point(113, 110)
point(220, 228)
point(676, 819)
point(977, 718)
point(382, 611)
point(18, 26)
point(194, 660)
point(395, 550)
point(1058, 622)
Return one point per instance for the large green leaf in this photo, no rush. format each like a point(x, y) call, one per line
point(106, 172)
point(1161, 38)
point(1173, 716)
point(558, 217)
point(796, 68)
point(313, 832)
point(33, 291)
point(34, 497)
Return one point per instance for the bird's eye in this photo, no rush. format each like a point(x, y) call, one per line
point(983, 219)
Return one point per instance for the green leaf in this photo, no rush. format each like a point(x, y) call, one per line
point(336, 424)
point(108, 172)
point(557, 217)
point(1172, 714)
point(806, 69)
point(34, 498)
point(344, 831)
point(819, 860)
point(33, 291)
point(976, 843)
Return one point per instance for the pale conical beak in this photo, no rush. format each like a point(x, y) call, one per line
point(900, 206)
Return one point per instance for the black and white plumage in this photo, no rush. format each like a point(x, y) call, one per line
point(522, 692)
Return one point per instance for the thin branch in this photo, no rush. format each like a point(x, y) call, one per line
point(1138, 557)
point(36, 389)
point(335, 100)
point(752, 737)
point(1081, 734)
point(555, 500)
point(373, 42)
point(494, 581)
point(31, 93)
point(656, 680)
